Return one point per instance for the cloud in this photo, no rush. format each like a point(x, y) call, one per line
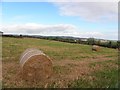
point(90, 11)
point(60, 0)
point(112, 35)
point(40, 29)
point(92, 34)
point(82, 0)
point(54, 30)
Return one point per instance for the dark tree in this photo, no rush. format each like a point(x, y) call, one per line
point(91, 41)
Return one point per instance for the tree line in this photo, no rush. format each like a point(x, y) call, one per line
point(89, 41)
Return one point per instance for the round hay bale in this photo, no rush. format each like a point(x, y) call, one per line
point(95, 48)
point(35, 65)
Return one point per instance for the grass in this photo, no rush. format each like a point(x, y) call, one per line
point(104, 76)
point(56, 50)
point(108, 78)
point(102, 79)
point(104, 63)
point(61, 69)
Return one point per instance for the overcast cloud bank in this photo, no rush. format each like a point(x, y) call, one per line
point(53, 30)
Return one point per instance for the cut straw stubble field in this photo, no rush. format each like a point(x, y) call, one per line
point(70, 62)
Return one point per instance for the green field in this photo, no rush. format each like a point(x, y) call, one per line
point(74, 65)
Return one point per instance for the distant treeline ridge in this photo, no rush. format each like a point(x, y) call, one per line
point(88, 41)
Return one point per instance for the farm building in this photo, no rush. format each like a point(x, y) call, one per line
point(84, 39)
point(1, 33)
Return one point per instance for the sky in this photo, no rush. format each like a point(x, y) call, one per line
point(77, 19)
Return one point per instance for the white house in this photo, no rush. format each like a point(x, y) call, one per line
point(103, 40)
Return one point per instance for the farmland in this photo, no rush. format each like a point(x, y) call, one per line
point(74, 65)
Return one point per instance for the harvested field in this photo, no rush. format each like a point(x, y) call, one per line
point(74, 65)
